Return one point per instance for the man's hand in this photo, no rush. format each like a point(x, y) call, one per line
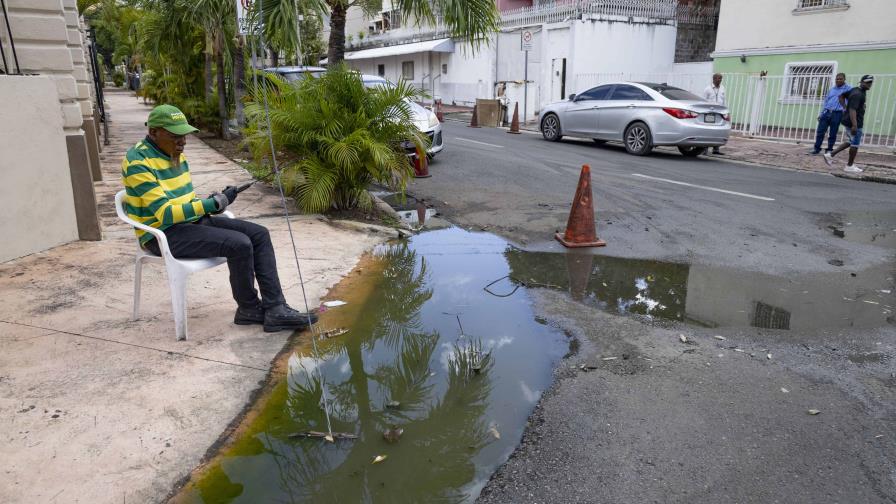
point(231, 192)
point(221, 202)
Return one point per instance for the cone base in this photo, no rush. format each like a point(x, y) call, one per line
point(474, 126)
point(568, 244)
point(514, 132)
point(423, 176)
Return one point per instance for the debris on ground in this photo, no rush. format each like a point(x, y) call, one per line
point(720, 338)
point(813, 411)
point(683, 338)
point(784, 390)
point(332, 333)
point(393, 435)
point(493, 430)
point(323, 435)
point(334, 304)
point(378, 459)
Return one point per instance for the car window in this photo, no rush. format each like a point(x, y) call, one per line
point(374, 83)
point(623, 92)
point(294, 76)
point(598, 93)
point(678, 94)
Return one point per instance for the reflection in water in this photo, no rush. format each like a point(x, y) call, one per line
point(712, 296)
point(617, 285)
point(404, 363)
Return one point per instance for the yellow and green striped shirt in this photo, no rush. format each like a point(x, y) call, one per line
point(159, 194)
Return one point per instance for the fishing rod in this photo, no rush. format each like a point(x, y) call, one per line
point(330, 435)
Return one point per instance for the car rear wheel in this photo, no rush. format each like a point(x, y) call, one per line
point(550, 128)
point(691, 151)
point(598, 141)
point(637, 139)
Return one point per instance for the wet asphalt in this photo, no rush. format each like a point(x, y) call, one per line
point(788, 308)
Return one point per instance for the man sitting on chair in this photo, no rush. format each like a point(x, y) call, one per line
point(160, 194)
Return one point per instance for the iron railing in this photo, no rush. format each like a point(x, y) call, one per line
point(12, 44)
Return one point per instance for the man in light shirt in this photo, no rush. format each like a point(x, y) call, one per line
point(831, 114)
point(715, 93)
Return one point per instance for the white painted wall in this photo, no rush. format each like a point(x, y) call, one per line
point(756, 24)
point(589, 46)
point(37, 187)
point(470, 75)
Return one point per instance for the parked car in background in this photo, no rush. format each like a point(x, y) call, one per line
point(294, 73)
point(641, 115)
point(425, 119)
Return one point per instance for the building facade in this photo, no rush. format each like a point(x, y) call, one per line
point(572, 44)
point(48, 145)
point(798, 46)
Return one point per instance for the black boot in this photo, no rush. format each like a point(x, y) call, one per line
point(248, 316)
point(282, 317)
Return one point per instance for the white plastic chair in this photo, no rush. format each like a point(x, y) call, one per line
point(177, 269)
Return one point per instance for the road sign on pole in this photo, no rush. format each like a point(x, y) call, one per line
point(526, 43)
point(526, 40)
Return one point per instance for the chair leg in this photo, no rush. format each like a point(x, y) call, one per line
point(178, 285)
point(138, 279)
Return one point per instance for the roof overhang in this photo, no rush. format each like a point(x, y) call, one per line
point(445, 45)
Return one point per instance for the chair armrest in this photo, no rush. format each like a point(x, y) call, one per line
point(157, 234)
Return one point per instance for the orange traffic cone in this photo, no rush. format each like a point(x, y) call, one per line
point(515, 122)
point(474, 121)
point(439, 114)
point(580, 231)
point(421, 165)
point(421, 212)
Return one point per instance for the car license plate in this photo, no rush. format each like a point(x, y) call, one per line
point(710, 118)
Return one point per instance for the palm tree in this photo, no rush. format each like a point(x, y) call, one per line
point(339, 136)
point(218, 19)
point(470, 20)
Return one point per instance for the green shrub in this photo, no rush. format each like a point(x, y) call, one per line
point(334, 137)
point(118, 78)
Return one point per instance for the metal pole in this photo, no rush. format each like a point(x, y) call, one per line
point(525, 85)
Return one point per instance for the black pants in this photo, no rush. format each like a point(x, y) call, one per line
point(247, 247)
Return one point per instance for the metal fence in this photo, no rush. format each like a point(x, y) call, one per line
point(6, 34)
point(778, 107)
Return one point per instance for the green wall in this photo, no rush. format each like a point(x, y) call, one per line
point(881, 107)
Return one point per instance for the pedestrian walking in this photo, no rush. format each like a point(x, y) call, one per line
point(715, 93)
point(831, 114)
point(854, 120)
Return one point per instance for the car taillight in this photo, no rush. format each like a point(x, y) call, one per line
point(680, 113)
point(726, 117)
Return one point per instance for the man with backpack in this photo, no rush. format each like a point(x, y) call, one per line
point(854, 120)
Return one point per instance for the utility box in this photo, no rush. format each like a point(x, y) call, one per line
point(489, 112)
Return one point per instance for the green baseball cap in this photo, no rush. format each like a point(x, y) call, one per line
point(170, 118)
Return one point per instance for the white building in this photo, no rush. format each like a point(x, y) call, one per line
point(572, 44)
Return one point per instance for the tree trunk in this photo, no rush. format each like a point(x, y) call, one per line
point(208, 73)
point(222, 88)
point(239, 80)
point(275, 57)
point(336, 51)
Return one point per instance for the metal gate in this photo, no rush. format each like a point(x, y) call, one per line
point(786, 107)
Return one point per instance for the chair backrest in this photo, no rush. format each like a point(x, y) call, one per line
point(119, 207)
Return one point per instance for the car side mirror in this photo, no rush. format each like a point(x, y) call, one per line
point(572, 97)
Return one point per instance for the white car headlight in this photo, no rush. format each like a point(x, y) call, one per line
point(433, 120)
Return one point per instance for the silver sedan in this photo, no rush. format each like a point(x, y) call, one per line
point(641, 115)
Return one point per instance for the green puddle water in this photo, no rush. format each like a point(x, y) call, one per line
point(405, 344)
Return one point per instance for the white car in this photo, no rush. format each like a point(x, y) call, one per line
point(425, 119)
point(641, 115)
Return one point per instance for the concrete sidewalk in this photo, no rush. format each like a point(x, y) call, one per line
point(96, 408)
